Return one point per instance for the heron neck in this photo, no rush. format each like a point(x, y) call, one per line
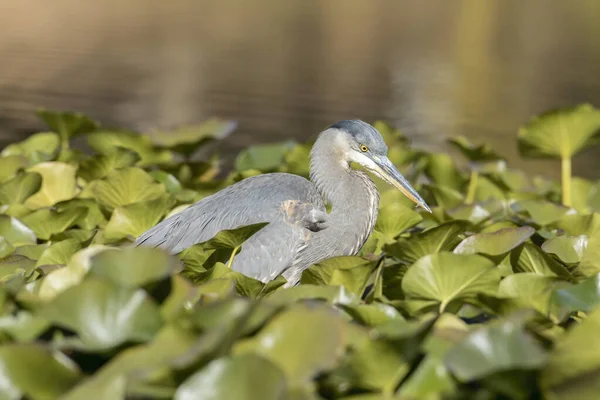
point(353, 196)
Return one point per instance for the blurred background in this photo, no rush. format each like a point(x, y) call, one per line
point(287, 69)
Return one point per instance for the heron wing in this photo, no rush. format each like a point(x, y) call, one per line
point(250, 201)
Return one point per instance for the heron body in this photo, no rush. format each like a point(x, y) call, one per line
point(299, 232)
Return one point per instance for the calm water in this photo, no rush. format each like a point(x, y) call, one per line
point(289, 68)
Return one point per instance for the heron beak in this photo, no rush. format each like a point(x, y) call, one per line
point(388, 172)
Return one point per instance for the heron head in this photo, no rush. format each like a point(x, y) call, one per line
point(364, 145)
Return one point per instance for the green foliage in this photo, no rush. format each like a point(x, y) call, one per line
point(495, 294)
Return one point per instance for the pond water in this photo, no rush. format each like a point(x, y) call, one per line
point(287, 69)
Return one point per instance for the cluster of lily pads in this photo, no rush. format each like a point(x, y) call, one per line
point(493, 295)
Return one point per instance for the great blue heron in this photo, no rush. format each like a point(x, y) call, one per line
point(299, 232)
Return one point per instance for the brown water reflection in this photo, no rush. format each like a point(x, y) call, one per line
point(288, 68)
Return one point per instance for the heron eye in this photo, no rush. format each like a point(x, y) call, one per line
point(363, 148)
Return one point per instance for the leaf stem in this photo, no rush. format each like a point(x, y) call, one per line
point(233, 253)
point(472, 186)
point(566, 180)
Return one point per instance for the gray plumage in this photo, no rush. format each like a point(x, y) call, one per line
point(300, 232)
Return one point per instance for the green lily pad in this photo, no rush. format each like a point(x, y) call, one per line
point(446, 278)
point(331, 294)
point(103, 314)
point(132, 220)
point(543, 212)
point(59, 253)
point(67, 124)
point(6, 248)
point(127, 186)
point(107, 142)
point(58, 184)
point(560, 133)
point(265, 157)
point(530, 258)
point(20, 188)
point(133, 267)
point(584, 296)
point(59, 280)
point(187, 139)
point(572, 371)
point(443, 237)
point(101, 165)
point(590, 261)
point(495, 243)
point(23, 327)
point(372, 314)
point(170, 182)
point(92, 219)
point(46, 222)
point(576, 225)
point(348, 271)
point(11, 165)
point(37, 148)
point(233, 238)
point(473, 213)
point(474, 153)
point(569, 249)
point(244, 377)
point(442, 170)
point(445, 197)
point(393, 219)
point(140, 365)
point(16, 232)
point(16, 264)
point(431, 378)
point(500, 346)
point(302, 341)
point(55, 373)
point(529, 290)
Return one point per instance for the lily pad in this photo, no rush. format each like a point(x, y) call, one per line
point(560, 133)
point(233, 238)
point(20, 188)
point(265, 157)
point(55, 372)
point(349, 271)
point(16, 232)
point(500, 346)
point(573, 368)
point(529, 290)
point(132, 220)
point(37, 148)
point(107, 142)
point(244, 377)
point(443, 237)
point(302, 341)
point(127, 186)
point(495, 243)
point(59, 253)
point(46, 222)
point(58, 184)
point(67, 124)
point(446, 278)
point(569, 249)
point(186, 139)
point(103, 314)
point(133, 267)
point(585, 296)
point(474, 153)
point(101, 165)
point(394, 219)
point(530, 258)
point(11, 165)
